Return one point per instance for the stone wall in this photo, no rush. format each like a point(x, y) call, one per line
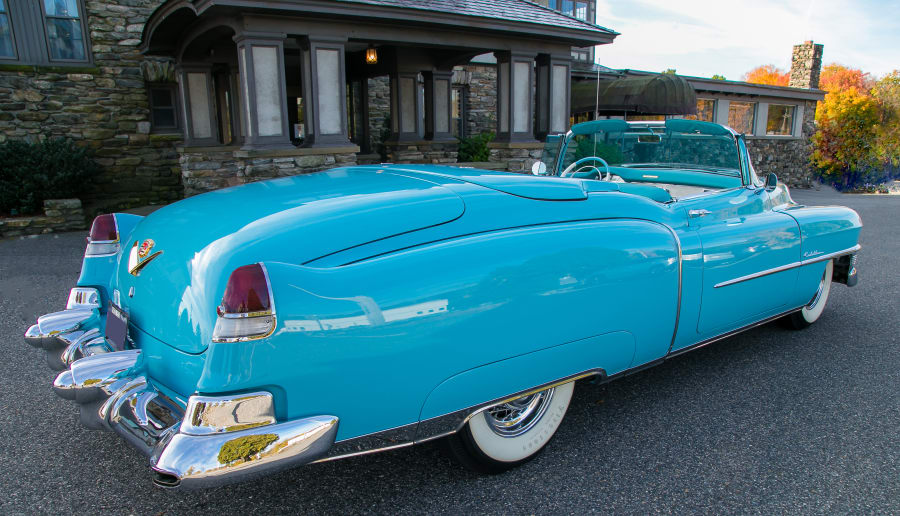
point(788, 158)
point(103, 106)
point(481, 99)
point(379, 113)
point(209, 168)
point(516, 157)
point(425, 151)
point(59, 215)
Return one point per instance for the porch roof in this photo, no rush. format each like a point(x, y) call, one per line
point(510, 10)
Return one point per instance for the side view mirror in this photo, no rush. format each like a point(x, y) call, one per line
point(539, 168)
point(771, 181)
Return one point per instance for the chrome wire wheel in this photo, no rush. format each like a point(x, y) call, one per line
point(514, 418)
point(512, 432)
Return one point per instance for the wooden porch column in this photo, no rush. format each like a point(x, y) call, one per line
point(196, 84)
point(515, 97)
point(405, 115)
point(554, 90)
point(324, 92)
point(264, 117)
point(438, 90)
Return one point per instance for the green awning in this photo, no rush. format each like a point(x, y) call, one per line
point(663, 94)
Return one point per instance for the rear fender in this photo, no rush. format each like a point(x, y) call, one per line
point(99, 271)
point(605, 354)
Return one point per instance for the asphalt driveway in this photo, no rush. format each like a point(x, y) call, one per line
point(769, 421)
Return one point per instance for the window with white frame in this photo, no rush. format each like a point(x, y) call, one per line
point(780, 120)
point(741, 116)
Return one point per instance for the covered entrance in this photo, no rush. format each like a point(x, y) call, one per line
point(280, 88)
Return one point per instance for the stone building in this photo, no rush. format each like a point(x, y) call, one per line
point(778, 121)
point(178, 97)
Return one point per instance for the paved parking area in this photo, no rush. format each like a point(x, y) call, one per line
point(769, 421)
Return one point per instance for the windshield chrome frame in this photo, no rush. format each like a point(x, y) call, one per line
point(742, 163)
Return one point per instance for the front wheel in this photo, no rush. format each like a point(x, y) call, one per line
point(512, 433)
point(811, 312)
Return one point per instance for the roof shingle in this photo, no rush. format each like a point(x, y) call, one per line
point(513, 10)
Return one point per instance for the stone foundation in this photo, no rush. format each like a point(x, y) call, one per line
point(209, 168)
point(516, 156)
point(59, 215)
point(424, 151)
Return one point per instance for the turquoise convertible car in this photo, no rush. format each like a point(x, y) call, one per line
point(368, 308)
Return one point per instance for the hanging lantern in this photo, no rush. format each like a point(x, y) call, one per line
point(371, 55)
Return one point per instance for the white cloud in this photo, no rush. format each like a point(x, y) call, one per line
point(730, 37)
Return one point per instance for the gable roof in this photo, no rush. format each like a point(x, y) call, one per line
point(522, 11)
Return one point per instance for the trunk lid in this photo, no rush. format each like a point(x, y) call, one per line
point(293, 220)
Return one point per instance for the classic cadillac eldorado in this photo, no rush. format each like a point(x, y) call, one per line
point(368, 308)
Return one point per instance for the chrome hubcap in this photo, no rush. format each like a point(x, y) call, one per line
point(516, 417)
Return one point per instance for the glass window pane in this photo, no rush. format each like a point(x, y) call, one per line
point(2, 6)
point(267, 81)
point(161, 97)
point(568, 7)
point(740, 116)
point(6, 44)
point(554, 4)
point(706, 110)
point(780, 121)
point(163, 118)
point(66, 39)
point(581, 10)
point(67, 8)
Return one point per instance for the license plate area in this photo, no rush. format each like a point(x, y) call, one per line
point(116, 327)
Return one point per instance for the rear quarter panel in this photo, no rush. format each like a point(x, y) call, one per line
point(369, 341)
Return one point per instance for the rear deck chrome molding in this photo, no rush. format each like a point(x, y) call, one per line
point(789, 266)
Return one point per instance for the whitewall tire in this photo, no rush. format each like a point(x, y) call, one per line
point(812, 311)
point(509, 434)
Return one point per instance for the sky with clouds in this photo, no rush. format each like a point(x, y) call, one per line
point(730, 37)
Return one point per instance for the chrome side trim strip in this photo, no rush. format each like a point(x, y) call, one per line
point(829, 256)
point(773, 270)
point(789, 266)
point(680, 266)
point(731, 333)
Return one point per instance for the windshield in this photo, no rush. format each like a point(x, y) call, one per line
point(684, 145)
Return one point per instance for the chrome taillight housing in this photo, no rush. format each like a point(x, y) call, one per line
point(104, 236)
point(247, 311)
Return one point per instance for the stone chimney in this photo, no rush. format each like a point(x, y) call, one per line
point(806, 64)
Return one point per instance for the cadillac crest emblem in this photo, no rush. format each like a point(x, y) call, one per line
point(140, 256)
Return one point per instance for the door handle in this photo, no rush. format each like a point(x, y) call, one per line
point(698, 213)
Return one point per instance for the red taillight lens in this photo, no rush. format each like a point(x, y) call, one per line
point(104, 237)
point(247, 310)
point(247, 291)
point(104, 229)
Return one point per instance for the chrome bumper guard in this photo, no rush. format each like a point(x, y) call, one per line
point(114, 394)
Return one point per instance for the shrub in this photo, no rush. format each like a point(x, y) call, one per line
point(475, 148)
point(33, 172)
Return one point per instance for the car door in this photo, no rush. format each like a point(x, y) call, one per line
point(748, 251)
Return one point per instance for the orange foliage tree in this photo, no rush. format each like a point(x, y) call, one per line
point(768, 74)
point(836, 77)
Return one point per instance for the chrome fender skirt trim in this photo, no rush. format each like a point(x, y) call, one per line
point(193, 461)
point(789, 266)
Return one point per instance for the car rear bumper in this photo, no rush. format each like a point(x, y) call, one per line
point(114, 393)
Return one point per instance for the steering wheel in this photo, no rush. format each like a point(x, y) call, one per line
point(571, 170)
